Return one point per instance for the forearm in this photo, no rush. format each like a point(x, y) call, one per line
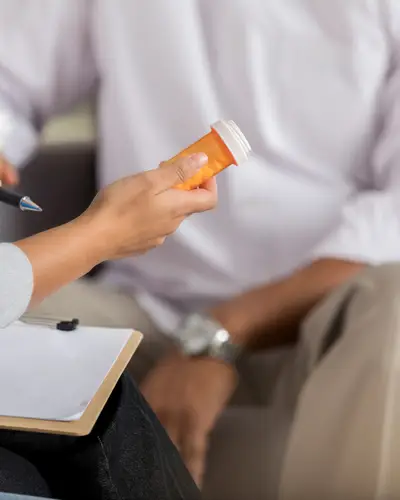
point(62, 255)
point(271, 315)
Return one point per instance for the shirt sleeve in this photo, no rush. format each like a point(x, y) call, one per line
point(368, 229)
point(46, 66)
point(16, 283)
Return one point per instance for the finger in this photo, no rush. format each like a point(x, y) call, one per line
point(194, 452)
point(150, 244)
point(8, 175)
point(194, 442)
point(172, 174)
point(171, 425)
point(185, 203)
point(161, 409)
point(210, 185)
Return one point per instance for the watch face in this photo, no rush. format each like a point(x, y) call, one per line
point(196, 337)
point(202, 336)
point(195, 346)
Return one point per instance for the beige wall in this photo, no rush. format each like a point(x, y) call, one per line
point(76, 127)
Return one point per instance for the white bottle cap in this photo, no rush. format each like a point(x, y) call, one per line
point(234, 139)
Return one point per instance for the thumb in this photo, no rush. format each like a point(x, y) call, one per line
point(177, 172)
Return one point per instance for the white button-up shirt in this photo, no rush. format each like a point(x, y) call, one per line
point(313, 84)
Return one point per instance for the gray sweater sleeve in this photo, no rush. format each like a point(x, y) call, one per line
point(16, 283)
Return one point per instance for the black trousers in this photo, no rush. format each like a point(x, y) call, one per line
point(127, 456)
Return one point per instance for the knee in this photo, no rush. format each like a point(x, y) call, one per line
point(383, 279)
point(374, 309)
point(368, 309)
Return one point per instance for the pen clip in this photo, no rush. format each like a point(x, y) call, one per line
point(61, 324)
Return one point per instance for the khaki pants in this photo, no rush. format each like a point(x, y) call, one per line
point(320, 422)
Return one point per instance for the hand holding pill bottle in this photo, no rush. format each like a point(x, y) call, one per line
point(225, 145)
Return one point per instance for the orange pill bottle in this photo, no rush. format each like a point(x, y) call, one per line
point(225, 145)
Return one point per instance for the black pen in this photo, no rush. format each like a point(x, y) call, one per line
point(24, 203)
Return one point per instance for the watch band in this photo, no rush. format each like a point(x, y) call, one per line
point(222, 348)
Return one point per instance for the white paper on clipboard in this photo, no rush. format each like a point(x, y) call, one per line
point(51, 375)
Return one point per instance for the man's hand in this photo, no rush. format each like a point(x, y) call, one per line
point(188, 395)
point(8, 174)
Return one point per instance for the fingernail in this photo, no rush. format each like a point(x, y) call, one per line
point(200, 158)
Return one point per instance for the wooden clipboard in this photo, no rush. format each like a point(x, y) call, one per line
point(85, 424)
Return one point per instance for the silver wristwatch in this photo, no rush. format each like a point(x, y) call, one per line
point(200, 335)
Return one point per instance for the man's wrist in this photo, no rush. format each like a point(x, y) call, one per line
point(232, 317)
